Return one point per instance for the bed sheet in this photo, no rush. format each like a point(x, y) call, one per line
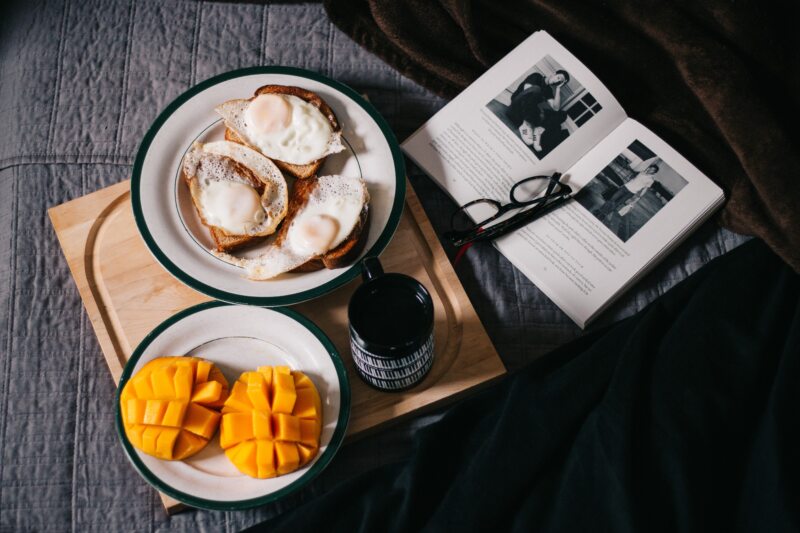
point(79, 84)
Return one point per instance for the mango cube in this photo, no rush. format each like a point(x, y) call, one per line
point(262, 425)
point(283, 393)
point(150, 438)
point(287, 457)
point(238, 399)
point(266, 371)
point(135, 434)
point(243, 455)
point(173, 416)
point(162, 382)
point(287, 427)
point(305, 405)
point(166, 442)
point(235, 428)
point(187, 445)
point(257, 391)
point(182, 382)
point(301, 381)
point(208, 392)
point(306, 453)
point(265, 459)
point(142, 387)
point(200, 420)
point(309, 432)
point(203, 369)
point(134, 411)
point(154, 412)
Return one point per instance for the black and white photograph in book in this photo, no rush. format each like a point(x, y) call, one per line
point(544, 106)
point(630, 190)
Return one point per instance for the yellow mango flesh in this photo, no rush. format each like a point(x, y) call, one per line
point(306, 453)
point(307, 404)
point(238, 400)
point(262, 425)
point(235, 428)
point(287, 457)
point(173, 416)
point(266, 371)
point(135, 410)
point(202, 371)
point(244, 456)
point(265, 459)
point(284, 393)
point(287, 427)
point(207, 393)
point(271, 422)
point(201, 421)
point(167, 406)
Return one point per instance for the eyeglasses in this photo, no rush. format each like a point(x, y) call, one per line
point(525, 195)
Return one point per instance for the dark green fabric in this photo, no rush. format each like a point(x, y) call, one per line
point(719, 80)
point(680, 418)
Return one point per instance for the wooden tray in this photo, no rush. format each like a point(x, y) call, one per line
point(127, 293)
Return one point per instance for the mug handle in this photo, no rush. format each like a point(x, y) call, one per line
point(371, 268)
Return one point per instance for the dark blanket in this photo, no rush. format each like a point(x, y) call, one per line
point(718, 80)
point(681, 418)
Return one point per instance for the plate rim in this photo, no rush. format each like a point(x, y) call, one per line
point(288, 299)
point(203, 503)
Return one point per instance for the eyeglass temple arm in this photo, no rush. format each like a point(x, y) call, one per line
point(513, 223)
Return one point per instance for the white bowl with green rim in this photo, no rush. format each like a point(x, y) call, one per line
point(237, 339)
point(171, 228)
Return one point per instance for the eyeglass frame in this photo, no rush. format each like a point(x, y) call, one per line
point(541, 205)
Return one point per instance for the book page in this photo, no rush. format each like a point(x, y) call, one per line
point(535, 112)
point(636, 199)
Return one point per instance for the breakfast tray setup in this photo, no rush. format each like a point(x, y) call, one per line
point(127, 293)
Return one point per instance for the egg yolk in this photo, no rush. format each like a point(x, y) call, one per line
point(316, 233)
point(268, 113)
point(233, 206)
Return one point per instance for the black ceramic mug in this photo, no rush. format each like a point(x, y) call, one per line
point(391, 328)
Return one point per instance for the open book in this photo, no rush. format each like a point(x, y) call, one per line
point(538, 111)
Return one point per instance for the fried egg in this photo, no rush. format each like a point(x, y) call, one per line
point(235, 189)
point(328, 215)
point(282, 127)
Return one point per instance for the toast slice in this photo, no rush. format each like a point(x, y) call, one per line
point(316, 196)
point(298, 171)
point(224, 241)
point(347, 251)
point(229, 243)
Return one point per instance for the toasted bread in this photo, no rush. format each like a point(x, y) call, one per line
point(229, 243)
point(298, 171)
point(344, 199)
point(347, 251)
point(225, 241)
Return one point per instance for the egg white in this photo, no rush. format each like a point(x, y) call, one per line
point(211, 180)
point(339, 197)
point(308, 137)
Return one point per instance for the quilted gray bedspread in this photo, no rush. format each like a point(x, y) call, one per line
point(79, 84)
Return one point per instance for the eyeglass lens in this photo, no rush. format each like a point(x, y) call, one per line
point(527, 190)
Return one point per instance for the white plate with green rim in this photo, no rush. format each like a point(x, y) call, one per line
point(238, 339)
point(171, 228)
